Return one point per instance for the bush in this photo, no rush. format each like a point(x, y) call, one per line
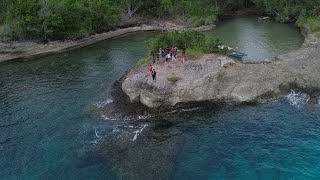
point(174, 78)
point(187, 38)
point(191, 39)
point(312, 22)
point(283, 17)
point(199, 22)
point(210, 19)
point(210, 45)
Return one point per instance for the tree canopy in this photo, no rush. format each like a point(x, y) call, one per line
point(60, 19)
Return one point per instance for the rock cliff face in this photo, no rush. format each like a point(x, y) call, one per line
point(220, 79)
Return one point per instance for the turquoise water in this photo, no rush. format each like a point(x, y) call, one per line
point(259, 39)
point(269, 141)
point(51, 127)
point(45, 129)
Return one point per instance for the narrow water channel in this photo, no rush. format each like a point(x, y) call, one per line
point(259, 39)
point(47, 130)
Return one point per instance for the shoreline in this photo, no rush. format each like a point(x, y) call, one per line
point(30, 50)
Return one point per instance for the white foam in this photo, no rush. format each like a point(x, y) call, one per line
point(107, 118)
point(142, 117)
point(183, 110)
point(297, 98)
point(137, 132)
point(115, 130)
point(171, 112)
point(94, 142)
point(104, 103)
point(189, 110)
point(96, 132)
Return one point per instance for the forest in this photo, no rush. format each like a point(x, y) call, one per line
point(71, 19)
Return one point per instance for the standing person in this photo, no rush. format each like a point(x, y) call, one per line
point(158, 58)
point(183, 54)
point(172, 50)
point(154, 74)
point(175, 52)
point(168, 50)
point(168, 56)
point(150, 68)
point(163, 56)
point(153, 57)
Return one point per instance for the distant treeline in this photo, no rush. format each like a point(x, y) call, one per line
point(60, 19)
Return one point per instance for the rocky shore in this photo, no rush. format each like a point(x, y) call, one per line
point(220, 79)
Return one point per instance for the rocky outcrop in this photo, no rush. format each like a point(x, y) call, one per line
point(221, 79)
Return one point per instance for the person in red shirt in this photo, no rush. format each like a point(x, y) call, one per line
point(183, 54)
point(150, 68)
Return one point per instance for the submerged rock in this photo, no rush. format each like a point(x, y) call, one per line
point(220, 79)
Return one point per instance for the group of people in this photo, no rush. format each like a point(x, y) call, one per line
point(169, 55)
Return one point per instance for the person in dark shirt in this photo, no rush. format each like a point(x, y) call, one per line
point(154, 74)
point(153, 57)
point(163, 54)
point(158, 58)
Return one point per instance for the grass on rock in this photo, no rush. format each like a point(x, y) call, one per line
point(174, 78)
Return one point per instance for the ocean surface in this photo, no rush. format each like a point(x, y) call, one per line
point(52, 126)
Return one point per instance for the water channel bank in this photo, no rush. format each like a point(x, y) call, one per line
point(31, 50)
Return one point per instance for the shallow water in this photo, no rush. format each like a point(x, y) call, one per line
point(48, 130)
point(259, 39)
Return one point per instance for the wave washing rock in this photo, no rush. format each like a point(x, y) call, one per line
point(220, 79)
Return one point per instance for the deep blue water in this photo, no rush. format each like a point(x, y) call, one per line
point(268, 141)
point(48, 130)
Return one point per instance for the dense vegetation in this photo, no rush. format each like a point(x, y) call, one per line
point(195, 42)
point(190, 39)
point(56, 19)
point(304, 12)
point(60, 19)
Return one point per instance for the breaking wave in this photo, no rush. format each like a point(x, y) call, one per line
point(183, 110)
point(104, 103)
point(138, 132)
point(297, 98)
